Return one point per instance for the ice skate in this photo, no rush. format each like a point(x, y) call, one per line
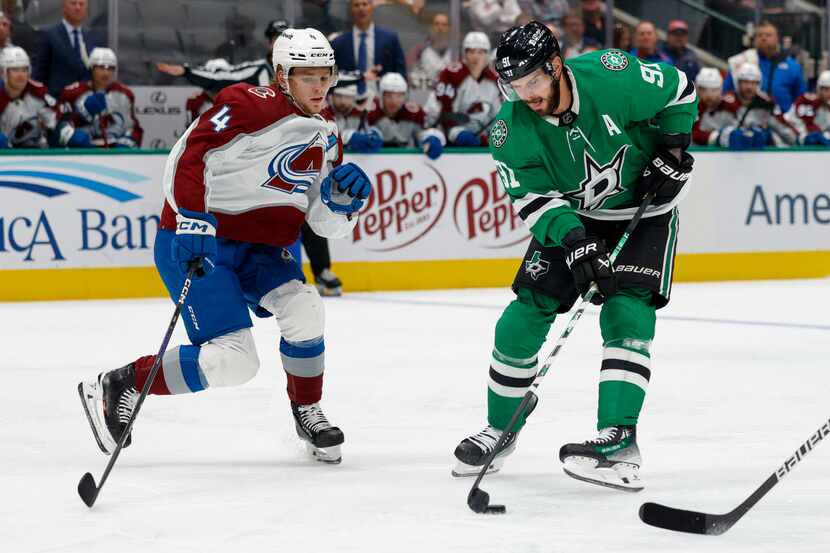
point(472, 452)
point(108, 403)
point(322, 439)
point(328, 284)
point(612, 459)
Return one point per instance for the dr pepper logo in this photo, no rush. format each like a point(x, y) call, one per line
point(484, 215)
point(403, 207)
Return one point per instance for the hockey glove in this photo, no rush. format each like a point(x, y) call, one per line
point(195, 242)
point(740, 139)
point(432, 147)
point(4, 141)
point(95, 103)
point(665, 176)
point(816, 138)
point(761, 138)
point(344, 189)
point(365, 143)
point(80, 139)
point(589, 262)
point(467, 138)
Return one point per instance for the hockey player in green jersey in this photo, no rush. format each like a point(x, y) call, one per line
point(577, 147)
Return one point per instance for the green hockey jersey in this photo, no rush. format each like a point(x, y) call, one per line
point(553, 172)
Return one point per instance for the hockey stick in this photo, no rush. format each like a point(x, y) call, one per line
point(87, 488)
point(478, 500)
point(694, 522)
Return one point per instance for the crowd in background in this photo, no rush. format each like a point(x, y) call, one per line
point(760, 100)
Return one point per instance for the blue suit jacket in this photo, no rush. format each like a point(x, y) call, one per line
point(388, 52)
point(57, 64)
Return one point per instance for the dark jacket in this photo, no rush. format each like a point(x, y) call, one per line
point(685, 60)
point(388, 52)
point(57, 63)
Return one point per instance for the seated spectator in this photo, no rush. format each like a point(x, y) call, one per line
point(622, 37)
point(64, 52)
point(677, 50)
point(810, 114)
point(401, 123)
point(28, 113)
point(645, 43)
point(593, 13)
point(716, 123)
point(427, 59)
point(546, 11)
point(781, 75)
point(467, 98)
point(369, 49)
point(492, 17)
point(756, 111)
point(102, 106)
point(574, 42)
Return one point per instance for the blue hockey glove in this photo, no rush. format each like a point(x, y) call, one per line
point(365, 142)
point(80, 139)
point(95, 103)
point(432, 147)
point(740, 139)
point(351, 187)
point(817, 138)
point(195, 241)
point(467, 138)
point(761, 138)
point(4, 141)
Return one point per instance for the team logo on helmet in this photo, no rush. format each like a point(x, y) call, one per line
point(498, 134)
point(614, 60)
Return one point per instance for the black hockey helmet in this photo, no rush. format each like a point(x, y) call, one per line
point(275, 28)
point(523, 50)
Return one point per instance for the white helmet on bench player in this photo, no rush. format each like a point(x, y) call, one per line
point(392, 82)
point(14, 57)
point(104, 57)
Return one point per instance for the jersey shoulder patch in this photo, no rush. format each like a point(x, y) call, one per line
point(614, 60)
point(498, 133)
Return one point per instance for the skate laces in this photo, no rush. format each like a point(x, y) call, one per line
point(607, 435)
point(312, 417)
point(487, 438)
point(126, 404)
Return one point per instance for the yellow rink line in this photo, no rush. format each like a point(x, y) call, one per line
point(140, 282)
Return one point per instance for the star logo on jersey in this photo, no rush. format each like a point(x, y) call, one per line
point(295, 168)
point(614, 60)
point(498, 134)
point(601, 181)
point(536, 266)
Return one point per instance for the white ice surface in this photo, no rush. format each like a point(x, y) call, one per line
point(406, 380)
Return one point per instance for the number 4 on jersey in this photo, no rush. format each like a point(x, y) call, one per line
point(220, 119)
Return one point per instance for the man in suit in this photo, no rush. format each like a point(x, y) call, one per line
point(366, 48)
point(65, 48)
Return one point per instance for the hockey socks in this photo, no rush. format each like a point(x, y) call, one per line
point(179, 372)
point(520, 332)
point(304, 363)
point(627, 322)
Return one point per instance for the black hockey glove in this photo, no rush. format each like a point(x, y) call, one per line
point(665, 175)
point(589, 262)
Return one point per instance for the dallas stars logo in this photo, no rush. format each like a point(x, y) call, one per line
point(498, 134)
point(614, 60)
point(536, 266)
point(601, 181)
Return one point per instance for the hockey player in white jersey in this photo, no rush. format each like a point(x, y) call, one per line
point(238, 186)
point(810, 114)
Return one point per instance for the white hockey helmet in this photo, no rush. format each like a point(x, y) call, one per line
point(14, 57)
point(475, 40)
point(303, 48)
point(709, 77)
point(393, 82)
point(748, 72)
point(823, 80)
point(104, 57)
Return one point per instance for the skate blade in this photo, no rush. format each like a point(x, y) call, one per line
point(463, 470)
point(94, 410)
point(330, 292)
point(329, 455)
point(622, 476)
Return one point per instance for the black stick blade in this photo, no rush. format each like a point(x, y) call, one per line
point(478, 500)
point(88, 490)
point(679, 520)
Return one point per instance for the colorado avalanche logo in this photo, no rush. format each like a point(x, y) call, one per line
point(295, 168)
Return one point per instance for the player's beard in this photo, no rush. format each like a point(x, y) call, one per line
point(550, 102)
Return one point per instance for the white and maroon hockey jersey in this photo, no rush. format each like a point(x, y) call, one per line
point(255, 161)
point(460, 102)
point(196, 105)
point(783, 133)
point(407, 128)
point(116, 126)
point(347, 123)
point(711, 121)
point(28, 119)
point(809, 114)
